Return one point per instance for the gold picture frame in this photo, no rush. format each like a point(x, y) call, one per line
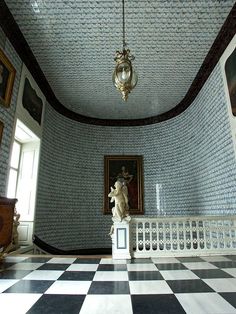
point(1, 130)
point(130, 170)
point(7, 77)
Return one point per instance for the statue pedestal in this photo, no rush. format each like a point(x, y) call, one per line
point(121, 239)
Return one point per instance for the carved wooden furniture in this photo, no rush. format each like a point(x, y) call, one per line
point(7, 224)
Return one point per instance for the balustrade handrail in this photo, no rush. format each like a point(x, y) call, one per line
point(186, 218)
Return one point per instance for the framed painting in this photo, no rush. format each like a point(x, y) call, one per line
point(7, 76)
point(32, 102)
point(230, 72)
point(129, 171)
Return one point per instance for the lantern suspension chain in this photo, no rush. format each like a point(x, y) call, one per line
point(124, 43)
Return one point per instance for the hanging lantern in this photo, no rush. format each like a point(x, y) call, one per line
point(124, 77)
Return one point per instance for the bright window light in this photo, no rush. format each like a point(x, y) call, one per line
point(11, 191)
point(15, 156)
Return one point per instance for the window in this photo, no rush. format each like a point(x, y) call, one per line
point(14, 169)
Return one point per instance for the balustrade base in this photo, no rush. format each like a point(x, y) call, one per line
point(186, 253)
point(121, 256)
point(121, 240)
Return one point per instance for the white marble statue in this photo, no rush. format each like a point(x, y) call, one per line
point(119, 195)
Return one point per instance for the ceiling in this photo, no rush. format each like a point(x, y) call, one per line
point(75, 42)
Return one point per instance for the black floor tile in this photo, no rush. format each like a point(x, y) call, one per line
point(36, 260)
point(211, 273)
point(52, 266)
point(174, 266)
point(144, 275)
point(87, 261)
point(188, 286)
point(190, 259)
point(156, 304)
point(57, 304)
point(229, 297)
point(225, 264)
point(14, 274)
point(116, 267)
point(109, 287)
point(140, 261)
point(5, 265)
point(231, 257)
point(77, 275)
point(30, 286)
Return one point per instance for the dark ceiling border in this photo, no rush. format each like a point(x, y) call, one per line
point(21, 46)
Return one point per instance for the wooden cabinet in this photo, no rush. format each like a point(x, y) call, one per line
point(7, 227)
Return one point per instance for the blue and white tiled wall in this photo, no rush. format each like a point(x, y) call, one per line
point(7, 115)
point(189, 165)
point(189, 169)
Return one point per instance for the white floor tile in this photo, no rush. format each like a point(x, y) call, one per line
point(82, 267)
point(141, 267)
point(107, 304)
point(217, 258)
point(112, 261)
point(204, 303)
point(222, 285)
point(149, 287)
point(17, 303)
point(111, 276)
point(6, 283)
point(178, 274)
point(26, 266)
point(199, 265)
point(44, 275)
point(61, 260)
point(231, 271)
point(69, 287)
point(165, 260)
point(14, 259)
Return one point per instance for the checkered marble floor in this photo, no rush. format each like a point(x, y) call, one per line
point(141, 286)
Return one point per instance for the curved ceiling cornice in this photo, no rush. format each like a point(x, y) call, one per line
point(20, 44)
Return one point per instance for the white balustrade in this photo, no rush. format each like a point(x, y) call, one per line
point(183, 236)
